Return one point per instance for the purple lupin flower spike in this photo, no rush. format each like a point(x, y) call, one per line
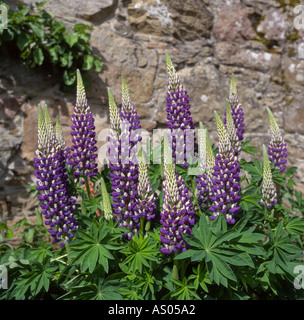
point(277, 148)
point(225, 193)
point(236, 110)
point(204, 179)
point(125, 134)
point(114, 150)
point(269, 192)
point(52, 182)
point(83, 152)
point(179, 117)
point(177, 215)
point(232, 131)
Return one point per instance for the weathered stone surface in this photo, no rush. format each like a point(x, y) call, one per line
point(10, 106)
point(247, 58)
point(135, 61)
point(273, 25)
point(294, 71)
point(188, 20)
point(93, 10)
point(294, 116)
point(233, 24)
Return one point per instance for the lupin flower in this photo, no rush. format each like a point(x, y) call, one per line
point(236, 110)
point(277, 148)
point(146, 201)
point(269, 192)
point(225, 191)
point(177, 215)
point(204, 180)
point(114, 150)
point(83, 152)
point(52, 182)
point(232, 131)
point(179, 116)
point(106, 205)
point(124, 175)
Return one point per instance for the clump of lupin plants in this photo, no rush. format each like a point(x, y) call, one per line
point(143, 226)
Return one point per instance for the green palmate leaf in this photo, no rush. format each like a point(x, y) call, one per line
point(139, 253)
point(32, 281)
point(295, 225)
point(222, 267)
point(95, 287)
point(92, 249)
point(221, 248)
point(184, 291)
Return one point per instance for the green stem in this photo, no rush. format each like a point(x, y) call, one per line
point(148, 225)
point(194, 186)
point(175, 269)
point(87, 187)
point(68, 250)
point(141, 229)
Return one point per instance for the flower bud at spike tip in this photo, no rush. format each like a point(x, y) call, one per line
point(60, 138)
point(107, 208)
point(114, 113)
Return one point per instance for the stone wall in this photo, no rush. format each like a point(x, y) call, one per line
point(207, 41)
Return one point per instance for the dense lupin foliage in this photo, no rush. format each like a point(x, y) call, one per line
point(153, 231)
